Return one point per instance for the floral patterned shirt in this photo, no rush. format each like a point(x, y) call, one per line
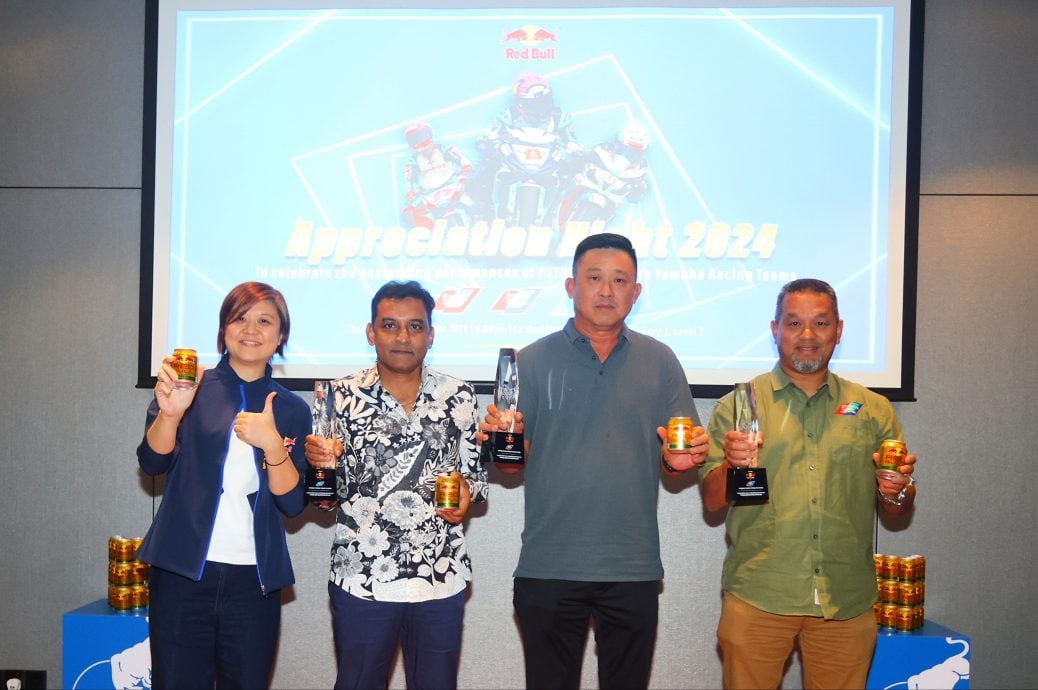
point(390, 545)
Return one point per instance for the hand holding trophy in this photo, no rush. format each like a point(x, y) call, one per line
point(750, 483)
point(506, 447)
point(320, 481)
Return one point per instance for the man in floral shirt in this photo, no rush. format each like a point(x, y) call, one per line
point(399, 565)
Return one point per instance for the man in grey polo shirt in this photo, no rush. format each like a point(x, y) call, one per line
point(594, 400)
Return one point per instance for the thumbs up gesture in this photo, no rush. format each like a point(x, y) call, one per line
point(258, 428)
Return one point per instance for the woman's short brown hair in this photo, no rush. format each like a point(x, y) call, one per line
point(244, 297)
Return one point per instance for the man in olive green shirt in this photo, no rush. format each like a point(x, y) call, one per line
point(799, 566)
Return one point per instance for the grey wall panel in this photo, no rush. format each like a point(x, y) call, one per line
point(71, 88)
point(972, 427)
point(980, 104)
point(69, 413)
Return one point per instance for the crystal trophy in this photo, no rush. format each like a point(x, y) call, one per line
point(747, 484)
point(506, 447)
point(320, 481)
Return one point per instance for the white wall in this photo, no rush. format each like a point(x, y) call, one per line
point(71, 75)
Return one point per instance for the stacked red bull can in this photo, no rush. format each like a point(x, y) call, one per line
point(127, 577)
point(901, 590)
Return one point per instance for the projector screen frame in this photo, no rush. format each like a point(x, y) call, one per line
point(903, 392)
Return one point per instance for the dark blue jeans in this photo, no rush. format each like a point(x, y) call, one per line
point(367, 633)
point(220, 632)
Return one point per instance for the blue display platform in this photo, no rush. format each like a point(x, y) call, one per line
point(104, 648)
point(932, 657)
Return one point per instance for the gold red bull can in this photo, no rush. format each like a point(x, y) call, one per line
point(909, 593)
point(139, 596)
point(141, 572)
point(119, 597)
point(128, 597)
point(679, 433)
point(891, 455)
point(123, 573)
point(888, 590)
point(121, 549)
point(905, 619)
point(185, 363)
point(448, 491)
point(887, 616)
point(911, 568)
point(886, 565)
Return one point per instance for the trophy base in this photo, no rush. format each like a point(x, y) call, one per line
point(507, 448)
point(320, 487)
point(747, 485)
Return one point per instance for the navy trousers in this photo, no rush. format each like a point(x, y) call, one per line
point(367, 634)
point(220, 632)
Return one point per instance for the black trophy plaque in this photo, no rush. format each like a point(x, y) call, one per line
point(746, 484)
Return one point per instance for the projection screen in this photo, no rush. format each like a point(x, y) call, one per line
point(326, 148)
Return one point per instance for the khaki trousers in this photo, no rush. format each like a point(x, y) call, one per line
point(755, 646)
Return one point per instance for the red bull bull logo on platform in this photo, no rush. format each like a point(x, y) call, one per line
point(531, 39)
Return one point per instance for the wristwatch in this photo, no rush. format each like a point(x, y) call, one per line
point(899, 498)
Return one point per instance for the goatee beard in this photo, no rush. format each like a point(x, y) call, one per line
point(807, 366)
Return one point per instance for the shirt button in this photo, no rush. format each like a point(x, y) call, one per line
point(814, 500)
point(814, 536)
point(817, 571)
point(810, 467)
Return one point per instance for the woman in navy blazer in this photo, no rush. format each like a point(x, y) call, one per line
point(232, 452)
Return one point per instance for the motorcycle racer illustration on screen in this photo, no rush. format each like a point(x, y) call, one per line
point(436, 177)
point(529, 156)
point(615, 172)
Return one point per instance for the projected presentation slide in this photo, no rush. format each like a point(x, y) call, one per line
point(327, 151)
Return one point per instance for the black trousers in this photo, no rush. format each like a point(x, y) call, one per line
point(553, 619)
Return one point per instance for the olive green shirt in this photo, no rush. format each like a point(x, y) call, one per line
point(808, 550)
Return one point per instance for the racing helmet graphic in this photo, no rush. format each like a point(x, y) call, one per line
point(634, 138)
point(633, 141)
point(419, 135)
point(533, 97)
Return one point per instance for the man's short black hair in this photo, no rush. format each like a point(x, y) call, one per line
point(398, 289)
point(605, 240)
point(806, 285)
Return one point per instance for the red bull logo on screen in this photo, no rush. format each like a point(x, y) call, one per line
point(530, 43)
